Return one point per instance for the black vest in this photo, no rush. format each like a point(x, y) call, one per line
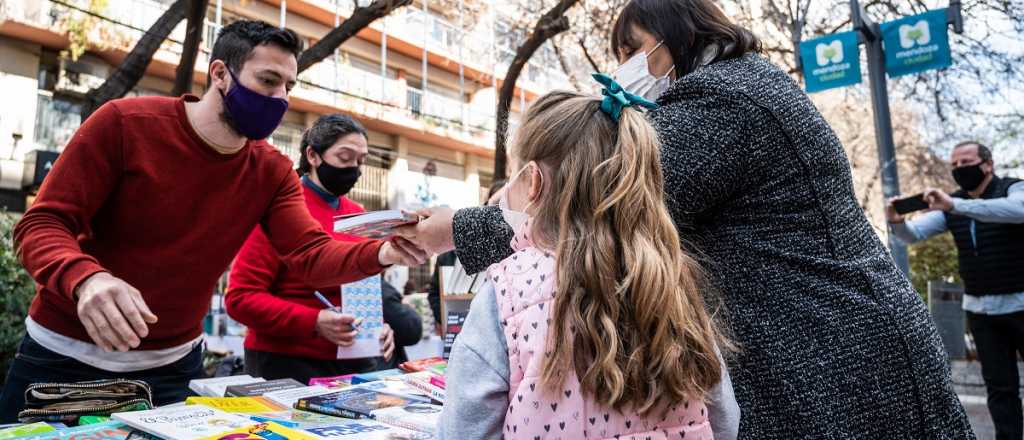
point(992, 260)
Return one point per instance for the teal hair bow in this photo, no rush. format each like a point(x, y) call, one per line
point(616, 98)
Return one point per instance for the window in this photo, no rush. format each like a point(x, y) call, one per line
point(288, 139)
point(57, 118)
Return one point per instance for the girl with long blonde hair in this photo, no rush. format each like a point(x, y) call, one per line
point(596, 326)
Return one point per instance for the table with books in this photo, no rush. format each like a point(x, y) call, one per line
point(402, 403)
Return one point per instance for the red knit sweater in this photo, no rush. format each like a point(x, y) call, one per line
point(275, 303)
point(137, 193)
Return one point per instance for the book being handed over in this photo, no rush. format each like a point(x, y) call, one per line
point(377, 224)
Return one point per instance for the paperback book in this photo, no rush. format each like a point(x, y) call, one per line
point(183, 422)
point(377, 224)
point(353, 403)
point(261, 388)
point(362, 299)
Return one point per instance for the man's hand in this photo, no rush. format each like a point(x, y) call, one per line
point(336, 327)
point(387, 342)
point(432, 234)
point(401, 251)
point(113, 312)
point(890, 212)
point(938, 200)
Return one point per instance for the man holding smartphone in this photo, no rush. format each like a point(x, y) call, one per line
point(986, 218)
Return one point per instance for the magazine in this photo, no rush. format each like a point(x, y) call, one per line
point(377, 224)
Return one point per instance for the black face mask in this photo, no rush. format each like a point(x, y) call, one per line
point(969, 177)
point(337, 181)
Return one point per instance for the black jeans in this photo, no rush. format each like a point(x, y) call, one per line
point(272, 366)
point(34, 363)
point(999, 339)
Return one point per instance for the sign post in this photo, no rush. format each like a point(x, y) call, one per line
point(901, 47)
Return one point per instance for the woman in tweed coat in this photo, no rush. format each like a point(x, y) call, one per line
point(834, 342)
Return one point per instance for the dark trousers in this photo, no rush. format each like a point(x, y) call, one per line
point(999, 339)
point(272, 366)
point(33, 364)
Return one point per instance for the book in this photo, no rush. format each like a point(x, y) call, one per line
point(216, 386)
point(354, 403)
point(296, 418)
point(183, 422)
point(99, 431)
point(395, 387)
point(437, 381)
point(266, 430)
point(365, 430)
point(376, 375)
point(288, 397)
point(377, 224)
point(26, 430)
point(421, 382)
point(421, 364)
point(333, 381)
point(456, 309)
point(422, 417)
point(236, 405)
point(261, 388)
point(362, 299)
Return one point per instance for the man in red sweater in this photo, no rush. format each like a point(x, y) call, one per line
point(145, 209)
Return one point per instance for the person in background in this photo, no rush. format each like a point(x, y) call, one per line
point(143, 212)
point(986, 218)
point(448, 259)
point(835, 341)
point(598, 315)
point(291, 333)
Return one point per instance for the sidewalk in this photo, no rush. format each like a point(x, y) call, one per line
point(971, 389)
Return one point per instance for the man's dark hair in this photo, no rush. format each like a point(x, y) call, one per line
point(686, 27)
point(236, 41)
point(324, 133)
point(983, 152)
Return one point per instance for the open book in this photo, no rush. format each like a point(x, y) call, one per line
point(376, 224)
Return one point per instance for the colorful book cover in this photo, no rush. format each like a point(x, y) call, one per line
point(437, 381)
point(26, 430)
point(261, 388)
point(236, 405)
point(298, 419)
point(263, 431)
point(366, 430)
point(376, 375)
point(185, 422)
point(287, 398)
point(362, 299)
point(377, 225)
point(396, 387)
point(333, 381)
point(99, 431)
point(422, 364)
point(421, 382)
point(422, 417)
point(354, 403)
point(456, 309)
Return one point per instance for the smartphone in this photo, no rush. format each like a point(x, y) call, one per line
point(910, 204)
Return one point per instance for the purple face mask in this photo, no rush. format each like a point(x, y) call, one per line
point(253, 115)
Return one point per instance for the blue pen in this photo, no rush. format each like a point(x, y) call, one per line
point(327, 303)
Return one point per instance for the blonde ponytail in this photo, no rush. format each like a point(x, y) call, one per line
point(628, 314)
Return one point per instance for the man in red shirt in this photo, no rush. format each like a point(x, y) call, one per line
point(145, 209)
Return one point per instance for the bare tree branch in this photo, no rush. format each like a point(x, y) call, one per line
point(360, 19)
point(190, 49)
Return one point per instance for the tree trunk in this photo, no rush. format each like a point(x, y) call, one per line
point(190, 49)
point(550, 24)
point(360, 19)
point(134, 66)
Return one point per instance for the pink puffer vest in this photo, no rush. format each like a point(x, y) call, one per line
point(524, 285)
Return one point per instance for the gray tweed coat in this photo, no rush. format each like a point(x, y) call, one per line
point(834, 341)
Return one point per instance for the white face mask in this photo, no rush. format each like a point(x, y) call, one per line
point(515, 219)
point(636, 78)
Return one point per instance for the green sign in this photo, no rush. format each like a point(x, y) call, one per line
point(831, 61)
point(917, 43)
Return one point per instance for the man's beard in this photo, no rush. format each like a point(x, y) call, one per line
point(226, 118)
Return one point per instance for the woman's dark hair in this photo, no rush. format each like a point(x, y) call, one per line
point(687, 27)
point(324, 133)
